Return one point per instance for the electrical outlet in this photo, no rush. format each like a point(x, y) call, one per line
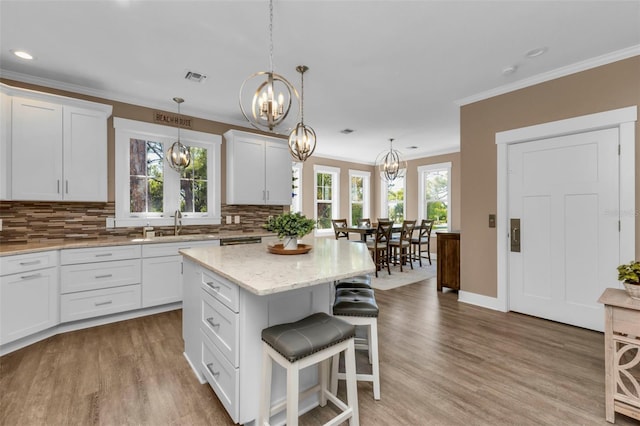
point(237, 219)
point(0, 224)
point(228, 220)
point(111, 222)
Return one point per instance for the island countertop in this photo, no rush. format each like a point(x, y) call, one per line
point(253, 268)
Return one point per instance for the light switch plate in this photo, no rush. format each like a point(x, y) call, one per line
point(228, 220)
point(0, 224)
point(237, 219)
point(492, 221)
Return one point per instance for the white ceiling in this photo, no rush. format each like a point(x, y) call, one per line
point(386, 69)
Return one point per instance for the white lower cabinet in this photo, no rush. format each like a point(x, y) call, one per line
point(162, 271)
point(94, 284)
point(29, 295)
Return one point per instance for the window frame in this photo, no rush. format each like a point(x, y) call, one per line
point(366, 188)
point(384, 194)
point(296, 202)
point(424, 170)
point(335, 199)
point(125, 130)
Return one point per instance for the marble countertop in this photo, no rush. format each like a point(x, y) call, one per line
point(253, 268)
point(10, 249)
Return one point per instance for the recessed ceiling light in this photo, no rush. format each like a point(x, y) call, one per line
point(534, 53)
point(347, 131)
point(509, 70)
point(22, 54)
point(412, 147)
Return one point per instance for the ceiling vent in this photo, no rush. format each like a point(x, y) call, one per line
point(346, 131)
point(195, 76)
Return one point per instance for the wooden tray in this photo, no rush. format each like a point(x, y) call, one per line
point(279, 249)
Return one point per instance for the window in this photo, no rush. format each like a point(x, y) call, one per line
point(435, 193)
point(296, 187)
point(358, 195)
point(149, 191)
point(327, 184)
point(393, 199)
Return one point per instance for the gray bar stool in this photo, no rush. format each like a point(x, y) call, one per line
point(358, 306)
point(359, 281)
point(297, 345)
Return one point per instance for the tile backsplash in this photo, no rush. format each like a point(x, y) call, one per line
point(34, 221)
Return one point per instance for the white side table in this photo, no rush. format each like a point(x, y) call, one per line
point(622, 354)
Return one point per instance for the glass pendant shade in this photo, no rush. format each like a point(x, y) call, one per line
point(178, 155)
point(390, 164)
point(302, 140)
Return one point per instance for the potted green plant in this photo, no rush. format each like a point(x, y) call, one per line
point(629, 274)
point(290, 226)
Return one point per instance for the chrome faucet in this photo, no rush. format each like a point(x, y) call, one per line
point(177, 222)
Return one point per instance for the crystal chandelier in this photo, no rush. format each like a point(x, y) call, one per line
point(302, 140)
point(178, 154)
point(390, 164)
point(267, 106)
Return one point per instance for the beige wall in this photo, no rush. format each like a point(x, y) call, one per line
point(604, 88)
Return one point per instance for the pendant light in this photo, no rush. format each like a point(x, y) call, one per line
point(178, 154)
point(390, 164)
point(302, 140)
point(267, 105)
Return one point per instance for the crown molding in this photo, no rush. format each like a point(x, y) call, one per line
point(133, 100)
point(605, 59)
point(416, 156)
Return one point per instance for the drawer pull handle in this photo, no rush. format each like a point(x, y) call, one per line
point(213, 373)
point(27, 277)
point(213, 324)
point(104, 276)
point(104, 254)
point(108, 302)
point(214, 287)
point(33, 262)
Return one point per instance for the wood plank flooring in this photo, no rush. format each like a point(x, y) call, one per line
point(442, 363)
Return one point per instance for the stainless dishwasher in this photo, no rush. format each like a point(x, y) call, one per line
point(232, 241)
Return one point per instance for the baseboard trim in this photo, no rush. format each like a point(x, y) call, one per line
point(86, 323)
point(480, 300)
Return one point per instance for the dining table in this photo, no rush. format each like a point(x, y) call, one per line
point(365, 231)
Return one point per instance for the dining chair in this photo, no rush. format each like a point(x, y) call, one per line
point(364, 223)
point(422, 242)
point(339, 226)
point(379, 247)
point(402, 246)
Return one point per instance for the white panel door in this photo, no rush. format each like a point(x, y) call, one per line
point(565, 191)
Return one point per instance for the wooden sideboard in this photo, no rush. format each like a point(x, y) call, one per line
point(621, 354)
point(448, 259)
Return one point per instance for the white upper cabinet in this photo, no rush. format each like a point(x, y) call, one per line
point(258, 169)
point(56, 148)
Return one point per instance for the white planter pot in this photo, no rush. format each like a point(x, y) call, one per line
point(290, 243)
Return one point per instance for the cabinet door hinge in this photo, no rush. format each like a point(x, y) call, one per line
point(619, 226)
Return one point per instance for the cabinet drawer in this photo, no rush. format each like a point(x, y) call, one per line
point(87, 304)
point(99, 254)
point(222, 289)
point(223, 378)
point(221, 325)
point(27, 262)
point(171, 249)
point(94, 276)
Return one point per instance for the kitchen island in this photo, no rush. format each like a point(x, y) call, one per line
point(231, 293)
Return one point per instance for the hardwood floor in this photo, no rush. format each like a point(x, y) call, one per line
point(441, 362)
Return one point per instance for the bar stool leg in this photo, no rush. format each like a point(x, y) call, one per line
point(352, 384)
point(373, 356)
point(265, 402)
point(335, 362)
point(323, 372)
point(292, 394)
